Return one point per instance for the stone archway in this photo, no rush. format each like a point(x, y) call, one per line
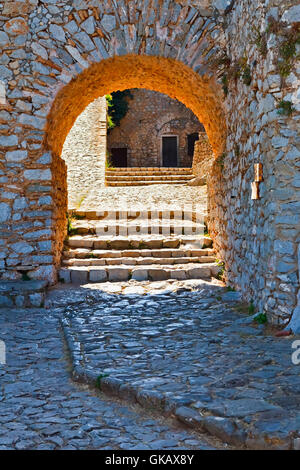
point(200, 94)
point(167, 76)
point(57, 60)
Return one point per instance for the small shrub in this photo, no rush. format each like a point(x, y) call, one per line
point(285, 108)
point(261, 318)
point(220, 160)
point(225, 84)
point(108, 162)
point(246, 75)
point(260, 39)
point(90, 255)
point(221, 271)
point(70, 229)
point(230, 289)
point(98, 380)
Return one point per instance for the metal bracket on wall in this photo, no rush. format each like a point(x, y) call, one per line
point(258, 178)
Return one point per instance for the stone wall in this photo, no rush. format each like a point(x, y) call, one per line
point(258, 239)
point(150, 116)
point(203, 156)
point(84, 152)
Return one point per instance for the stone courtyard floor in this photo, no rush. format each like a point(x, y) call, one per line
point(146, 197)
point(180, 365)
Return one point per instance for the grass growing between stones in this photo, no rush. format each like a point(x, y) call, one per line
point(260, 318)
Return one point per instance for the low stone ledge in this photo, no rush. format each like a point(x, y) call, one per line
point(22, 294)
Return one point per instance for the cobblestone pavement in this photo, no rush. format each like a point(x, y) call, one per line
point(41, 408)
point(146, 197)
point(193, 353)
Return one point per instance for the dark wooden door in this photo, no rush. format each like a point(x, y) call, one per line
point(169, 151)
point(118, 157)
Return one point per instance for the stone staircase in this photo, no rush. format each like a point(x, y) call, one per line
point(141, 176)
point(118, 246)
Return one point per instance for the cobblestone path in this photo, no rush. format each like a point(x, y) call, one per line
point(190, 350)
point(145, 197)
point(41, 408)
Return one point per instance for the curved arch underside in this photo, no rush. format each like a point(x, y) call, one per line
point(168, 76)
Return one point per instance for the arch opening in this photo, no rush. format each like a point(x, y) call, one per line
point(168, 76)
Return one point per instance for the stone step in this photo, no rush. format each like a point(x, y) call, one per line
point(142, 183)
point(134, 178)
point(85, 253)
point(186, 213)
point(137, 242)
point(136, 261)
point(146, 227)
point(147, 170)
point(122, 273)
point(25, 294)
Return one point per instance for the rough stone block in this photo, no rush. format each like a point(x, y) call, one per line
point(6, 301)
point(158, 274)
point(171, 243)
point(178, 274)
point(118, 274)
point(98, 275)
point(199, 273)
point(79, 276)
point(64, 275)
point(100, 244)
point(119, 244)
point(36, 300)
point(139, 274)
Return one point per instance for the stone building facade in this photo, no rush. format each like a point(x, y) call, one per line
point(56, 58)
point(151, 118)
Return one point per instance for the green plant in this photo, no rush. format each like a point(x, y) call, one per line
point(251, 308)
point(110, 123)
point(225, 84)
point(230, 289)
point(108, 162)
point(77, 216)
point(260, 40)
point(285, 108)
point(246, 75)
point(99, 378)
point(90, 255)
point(220, 160)
point(79, 201)
point(289, 37)
point(25, 276)
point(221, 271)
point(70, 229)
point(261, 318)
point(117, 104)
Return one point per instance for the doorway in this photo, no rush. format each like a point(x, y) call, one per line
point(118, 157)
point(170, 151)
point(192, 138)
